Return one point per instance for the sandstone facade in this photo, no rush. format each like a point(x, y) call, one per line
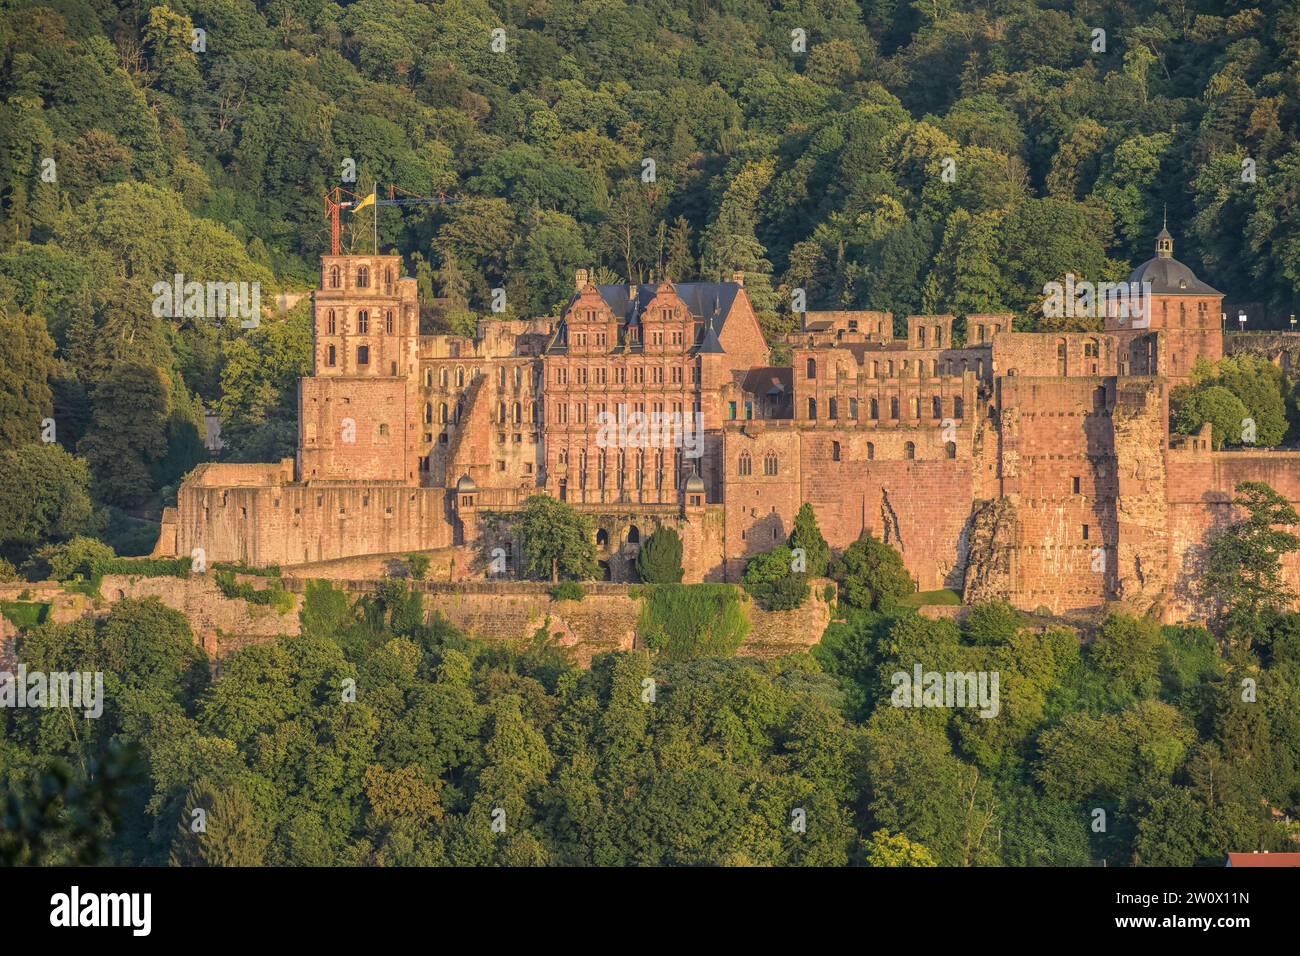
point(1037, 467)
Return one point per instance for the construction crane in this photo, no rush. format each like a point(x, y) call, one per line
point(335, 203)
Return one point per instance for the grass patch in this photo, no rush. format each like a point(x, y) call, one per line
point(274, 596)
point(687, 621)
point(239, 567)
point(942, 596)
point(25, 614)
point(568, 591)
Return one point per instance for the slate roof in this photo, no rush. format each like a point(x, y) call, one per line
point(1170, 277)
point(709, 302)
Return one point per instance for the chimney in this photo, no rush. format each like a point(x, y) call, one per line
point(738, 278)
point(580, 279)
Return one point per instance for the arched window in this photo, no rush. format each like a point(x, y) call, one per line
point(363, 277)
point(442, 413)
point(875, 408)
point(937, 405)
point(516, 413)
point(909, 451)
point(951, 448)
point(428, 413)
point(363, 322)
point(331, 357)
point(428, 378)
point(460, 377)
point(633, 535)
point(871, 451)
point(334, 277)
point(893, 408)
point(812, 368)
point(442, 378)
point(501, 413)
point(363, 354)
point(331, 323)
point(746, 464)
point(957, 407)
point(812, 408)
point(501, 377)
point(835, 451)
point(833, 409)
point(770, 463)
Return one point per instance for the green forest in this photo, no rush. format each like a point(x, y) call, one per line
point(803, 143)
point(929, 156)
point(382, 735)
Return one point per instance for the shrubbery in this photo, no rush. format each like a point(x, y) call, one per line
point(686, 621)
point(871, 574)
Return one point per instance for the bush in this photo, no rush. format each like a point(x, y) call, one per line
point(568, 591)
point(239, 567)
point(660, 558)
point(770, 581)
point(806, 535)
point(687, 621)
point(418, 566)
point(274, 596)
point(993, 622)
point(1218, 406)
point(78, 556)
point(871, 574)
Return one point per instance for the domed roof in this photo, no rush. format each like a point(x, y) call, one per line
point(466, 485)
point(1170, 277)
point(695, 485)
point(1166, 274)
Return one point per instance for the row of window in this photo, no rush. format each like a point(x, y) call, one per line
point(363, 322)
point(597, 375)
point(905, 366)
point(873, 408)
point(335, 280)
point(772, 466)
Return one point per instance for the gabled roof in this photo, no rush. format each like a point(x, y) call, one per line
point(709, 302)
point(701, 298)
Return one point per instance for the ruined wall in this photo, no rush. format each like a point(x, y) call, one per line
point(859, 479)
point(1202, 485)
point(1140, 579)
point(294, 524)
point(1058, 467)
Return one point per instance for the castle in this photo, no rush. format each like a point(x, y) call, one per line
point(1036, 467)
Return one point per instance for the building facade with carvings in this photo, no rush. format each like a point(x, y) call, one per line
point(1036, 467)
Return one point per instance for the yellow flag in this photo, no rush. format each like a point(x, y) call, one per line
point(368, 201)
